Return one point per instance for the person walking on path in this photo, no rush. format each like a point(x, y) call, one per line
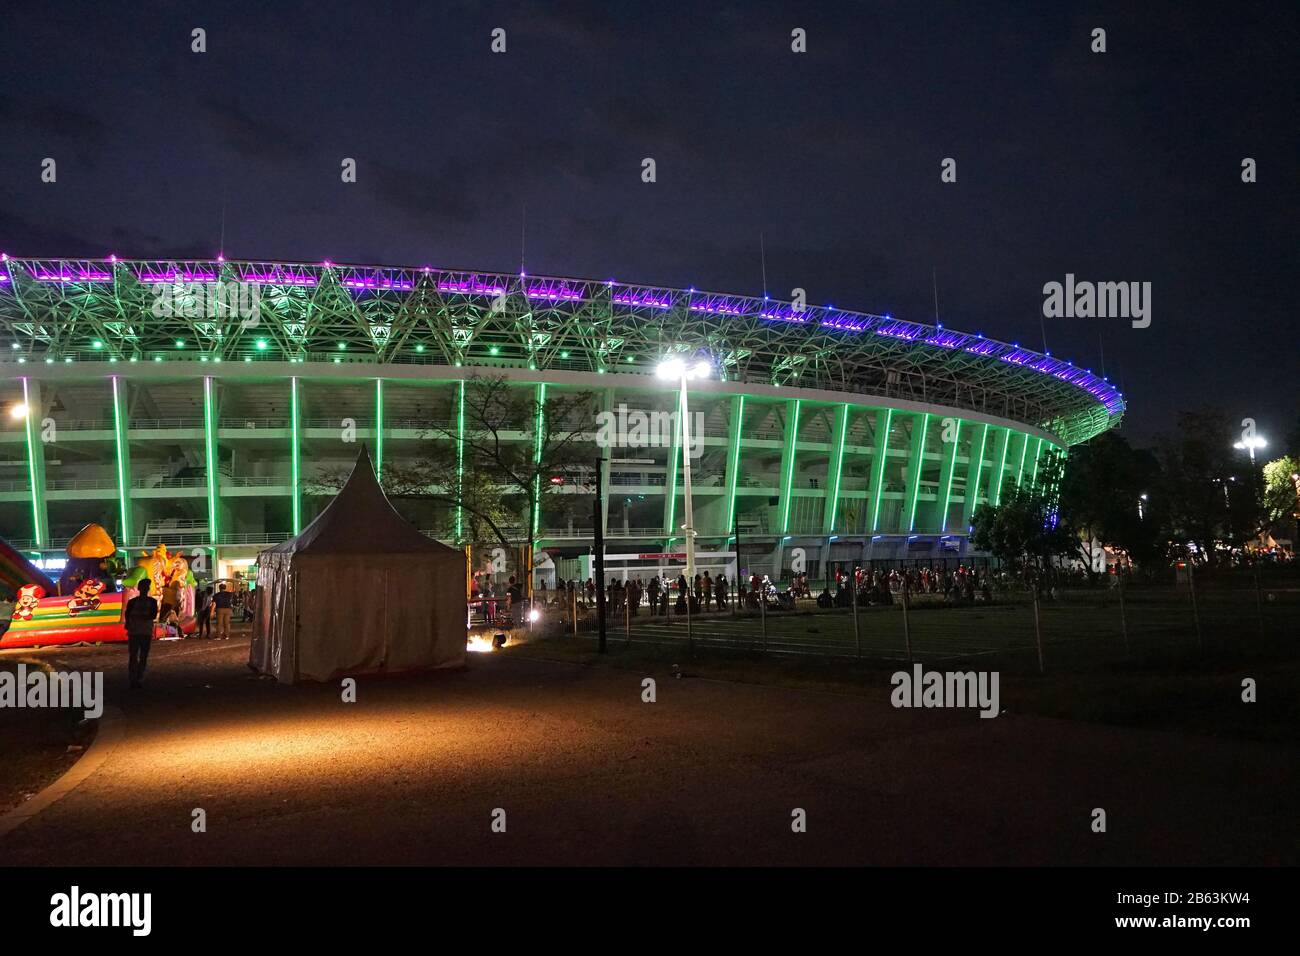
point(140, 613)
point(222, 601)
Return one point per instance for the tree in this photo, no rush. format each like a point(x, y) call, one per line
point(491, 468)
point(1026, 524)
point(1282, 494)
point(1212, 495)
point(1109, 495)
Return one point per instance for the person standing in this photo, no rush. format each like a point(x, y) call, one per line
point(171, 597)
point(203, 627)
point(222, 601)
point(140, 613)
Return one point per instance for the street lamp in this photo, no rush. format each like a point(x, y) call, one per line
point(18, 411)
point(676, 368)
point(1141, 498)
point(1251, 443)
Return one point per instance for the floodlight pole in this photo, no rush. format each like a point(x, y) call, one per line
point(598, 513)
point(689, 527)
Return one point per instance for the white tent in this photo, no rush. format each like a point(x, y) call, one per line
point(359, 591)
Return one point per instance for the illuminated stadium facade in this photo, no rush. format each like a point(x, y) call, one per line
point(824, 430)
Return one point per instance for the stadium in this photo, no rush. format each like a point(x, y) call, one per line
point(827, 434)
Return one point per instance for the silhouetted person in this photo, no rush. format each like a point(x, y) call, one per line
point(141, 611)
point(223, 601)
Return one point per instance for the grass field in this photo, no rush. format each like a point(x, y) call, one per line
point(1164, 679)
point(1077, 627)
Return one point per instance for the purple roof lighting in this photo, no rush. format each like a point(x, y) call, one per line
point(550, 291)
point(1019, 357)
point(898, 329)
point(984, 347)
point(846, 323)
point(717, 306)
point(279, 276)
point(636, 299)
point(470, 287)
point(553, 292)
point(946, 339)
point(64, 274)
point(381, 282)
point(153, 278)
point(785, 313)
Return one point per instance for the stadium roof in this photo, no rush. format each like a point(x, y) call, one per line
point(137, 309)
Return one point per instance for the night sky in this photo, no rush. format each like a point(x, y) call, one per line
point(1123, 166)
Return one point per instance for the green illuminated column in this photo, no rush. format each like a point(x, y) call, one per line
point(123, 449)
point(670, 481)
point(916, 464)
point(379, 427)
point(947, 468)
point(999, 476)
point(295, 453)
point(974, 470)
point(1033, 476)
point(210, 455)
point(788, 462)
point(839, 435)
point(460, 460)
point(733, 457)
point(36, 461)
point(607, 405)
point(884, 424)
point(1024, 448)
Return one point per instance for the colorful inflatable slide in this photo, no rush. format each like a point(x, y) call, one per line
point(85, 605)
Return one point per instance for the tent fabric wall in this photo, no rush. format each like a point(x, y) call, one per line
point(360, 591)
point(274, 639)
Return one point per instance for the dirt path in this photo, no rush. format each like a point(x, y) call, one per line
point(588, 774)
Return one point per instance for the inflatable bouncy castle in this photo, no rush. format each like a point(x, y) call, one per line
point(86, 605)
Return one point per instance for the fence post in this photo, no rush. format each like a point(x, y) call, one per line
point(1123, 615)
point(857, 633)
point(690, 638)
point(907, 620)
point(573, 600)
point(1196, 612)
point(1259, 598)
point(1038, 629)
point(762, 611)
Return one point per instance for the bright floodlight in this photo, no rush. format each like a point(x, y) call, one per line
point(701, 370)
point(18, 411)
point(671, 368)
point(1251, 443)
point(534, 615)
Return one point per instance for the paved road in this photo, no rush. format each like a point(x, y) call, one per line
point(588, 774)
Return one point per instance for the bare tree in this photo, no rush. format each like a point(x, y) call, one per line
point(492, 469)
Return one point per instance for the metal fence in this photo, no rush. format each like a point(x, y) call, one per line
point(1041, 628)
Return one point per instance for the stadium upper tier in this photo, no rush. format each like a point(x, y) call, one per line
point(146, 310)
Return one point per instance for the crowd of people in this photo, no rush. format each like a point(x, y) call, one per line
point(959, 585)
point(659, 595)
point(655, 594)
